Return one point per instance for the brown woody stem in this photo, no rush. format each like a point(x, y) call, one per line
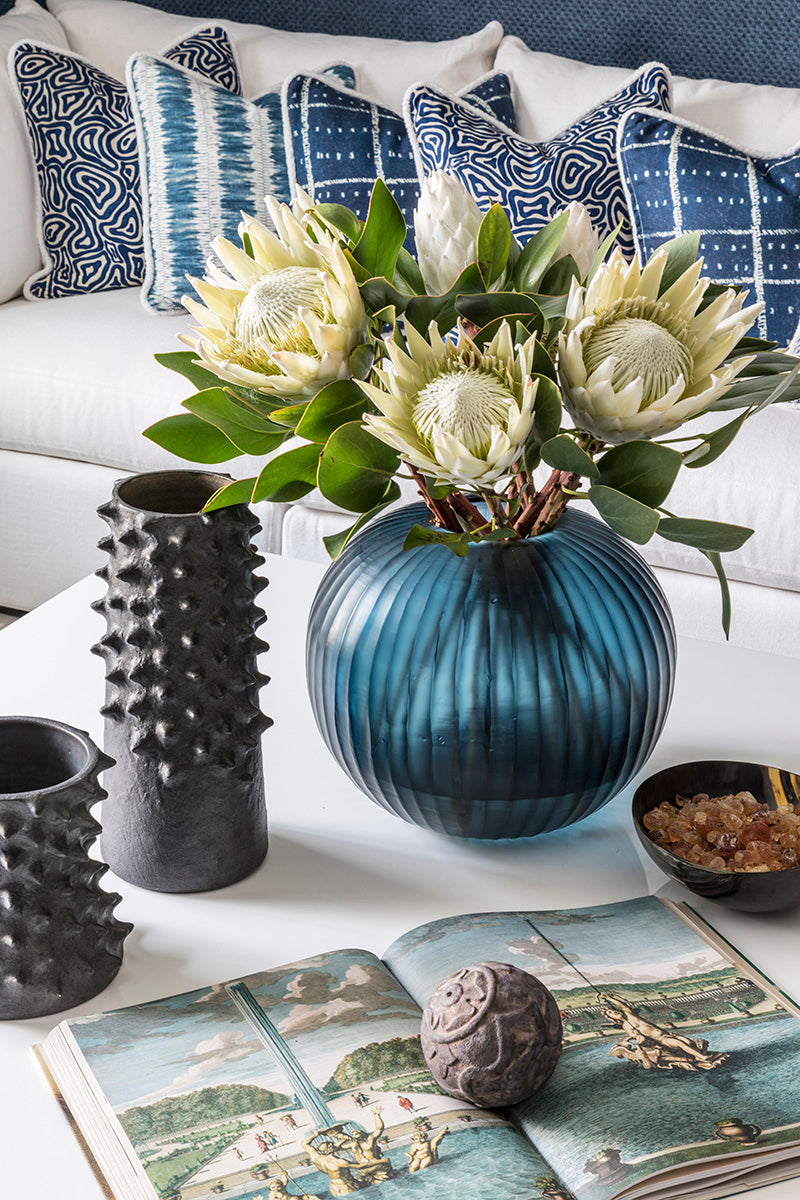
point(441, 511)
point(465, 509)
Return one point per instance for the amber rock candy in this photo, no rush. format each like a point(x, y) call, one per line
point(727, 833)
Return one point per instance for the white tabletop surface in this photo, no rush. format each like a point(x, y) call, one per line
point(341, 871)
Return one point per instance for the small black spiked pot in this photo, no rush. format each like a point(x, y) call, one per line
point(60, 943)
point(185, 809)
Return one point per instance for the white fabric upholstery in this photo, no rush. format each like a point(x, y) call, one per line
point(109, 31)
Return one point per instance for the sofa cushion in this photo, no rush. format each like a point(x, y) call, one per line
point(83, 141)
point(534, 181)
point(206, 155)
point(19, 250)
point(341, 142)
point(680, 179)
point(109, 31)
point(551, 92)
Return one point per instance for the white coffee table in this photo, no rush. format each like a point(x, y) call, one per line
point(340, 871)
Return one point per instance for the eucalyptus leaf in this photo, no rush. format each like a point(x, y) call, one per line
point(716, 563)
point(336, 542)
point(710, 536)
point(215, 406)
point(681, 251)
point(192, 439)
point(494, 245)
point(184, 362)
point(564, 454)
point(645, 471)
point(290, 415)
point(628, 517)
point(547, 409)
point(421, 535)
point(355, 468)
point(335, 405)
point(714, 444)
point(383, 234)
point(361, 360)
point(288, 476)
point(238, 492)
point(538, 253)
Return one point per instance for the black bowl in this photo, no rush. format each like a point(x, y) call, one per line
point(763, 891)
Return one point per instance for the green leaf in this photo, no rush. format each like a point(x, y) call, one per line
point(379, 294)
point(361, 360)
point(714, 444)
point(184, 362)
point(383, 233)
point(626, 516)
point(643, 470)
point(558, 277)
point(336, 542)
point(218, 408)
point(288, 476)
point(564, 454)
point(290, 415)
point(240, 491)
point(422, 535)
point(501, 533)
point(543, 363)
point(192, 439)
point(547, 409)
point(681, 253)
point(335, 405)
point(421, 310)
point(602, 251)
point(716, 563)
point(491, 306)
point(408, 274)
point(494, 245)
point(247, 245)
point(355, 467)
point(710, 536)
point(537, 254)
point(343, 219)
point(783, 388)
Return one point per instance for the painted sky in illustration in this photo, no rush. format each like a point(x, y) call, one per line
point(325, 1007)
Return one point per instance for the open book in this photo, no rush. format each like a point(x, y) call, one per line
point(678, 1076)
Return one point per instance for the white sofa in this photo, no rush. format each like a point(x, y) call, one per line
point(78, 384)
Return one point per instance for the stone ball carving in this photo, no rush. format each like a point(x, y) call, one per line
point(491, 1034)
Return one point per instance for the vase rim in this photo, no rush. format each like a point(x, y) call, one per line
point(182, 493)
point(93, 757)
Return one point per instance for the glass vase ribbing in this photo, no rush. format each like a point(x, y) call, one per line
point(500, 695)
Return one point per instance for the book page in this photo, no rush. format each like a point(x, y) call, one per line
point(307, 1080)
point(673, 1057)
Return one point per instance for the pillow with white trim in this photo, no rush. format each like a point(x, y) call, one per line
point(534, 180)
point(83, 142)
point(206, 155)
point(681, 179)
point(338, 142)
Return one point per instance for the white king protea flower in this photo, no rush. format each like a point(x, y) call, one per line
point(459, 414)
point(633, 364)
point(580, 239)
point(446, 224)
point(286, 320)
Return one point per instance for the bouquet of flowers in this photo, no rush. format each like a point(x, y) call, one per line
point(470, 369)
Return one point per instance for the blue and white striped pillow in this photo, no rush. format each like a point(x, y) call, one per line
point(206, 156)
point(534, 181)
point(339, 142)
point(83, 141)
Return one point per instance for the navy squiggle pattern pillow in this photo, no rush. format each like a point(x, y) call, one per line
point(341, 142)
point(83, 140)
point(534, 181)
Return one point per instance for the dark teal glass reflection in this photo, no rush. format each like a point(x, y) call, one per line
point(500, 695)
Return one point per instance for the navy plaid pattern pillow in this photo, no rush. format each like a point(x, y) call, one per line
point(680, 179)
point(339, 142)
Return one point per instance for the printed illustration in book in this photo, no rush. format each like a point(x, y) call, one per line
point(308, 1080)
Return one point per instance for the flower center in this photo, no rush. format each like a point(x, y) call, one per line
point(646, 341)
point(269, 311)
point(465, 403)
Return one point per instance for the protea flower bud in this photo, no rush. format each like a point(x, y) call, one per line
point(580, 239)
point(446, 224)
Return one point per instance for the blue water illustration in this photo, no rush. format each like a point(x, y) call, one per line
point(473, 1164)
point(593, 1101)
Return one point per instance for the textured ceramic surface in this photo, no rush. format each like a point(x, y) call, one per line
point(501, 695)
point(747, 891)
point(186, 809)
point(60, 943)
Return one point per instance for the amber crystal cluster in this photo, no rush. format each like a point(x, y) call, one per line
point(727, 833)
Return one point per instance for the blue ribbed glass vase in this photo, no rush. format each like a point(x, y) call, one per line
point(500, 695)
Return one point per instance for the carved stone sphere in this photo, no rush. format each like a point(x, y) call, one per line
point(491, 1034)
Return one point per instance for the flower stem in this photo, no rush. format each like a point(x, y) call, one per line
point(440, 510)
point(466, 509)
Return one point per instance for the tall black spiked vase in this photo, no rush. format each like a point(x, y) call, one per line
point(60, 943)
point(185, 809)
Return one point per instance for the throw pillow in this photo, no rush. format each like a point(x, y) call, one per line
point(338, 142)
point(19, 249)
point(534, 180)
point(109, 31)
point(206, 156)
point(83, 141)
point(550, 92)
point(681, 179)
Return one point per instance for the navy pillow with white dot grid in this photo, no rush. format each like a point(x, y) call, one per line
point(680, 179)
point(206, 156)
point(83, 140)
point(341, 142)
point(534, 181)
